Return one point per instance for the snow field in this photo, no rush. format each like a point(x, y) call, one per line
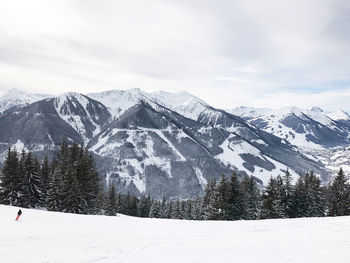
point(41, 236)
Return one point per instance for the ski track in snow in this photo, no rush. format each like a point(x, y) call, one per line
point(41, 236)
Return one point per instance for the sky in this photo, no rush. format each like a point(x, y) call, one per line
point(271, 53)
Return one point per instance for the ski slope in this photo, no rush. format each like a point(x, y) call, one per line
point(41, 236)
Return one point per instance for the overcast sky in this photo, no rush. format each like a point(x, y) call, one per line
point(270, 53)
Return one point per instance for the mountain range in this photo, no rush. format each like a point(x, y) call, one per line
point(169, 145)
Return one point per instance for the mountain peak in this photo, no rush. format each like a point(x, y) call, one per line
point(316, 109)
point(17, 98)
point(339, 115)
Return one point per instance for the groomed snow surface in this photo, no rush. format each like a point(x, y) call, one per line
point(41, 236)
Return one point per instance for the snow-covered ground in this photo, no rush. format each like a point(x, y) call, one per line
point(41, 236)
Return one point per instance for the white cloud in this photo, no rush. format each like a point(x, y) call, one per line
point(227, 52)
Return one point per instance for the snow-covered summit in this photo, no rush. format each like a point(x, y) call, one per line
point(184, 103)
point(249, 112)
point(339, 115)
point(18, 98)
point(118, 101)
point(82, 113)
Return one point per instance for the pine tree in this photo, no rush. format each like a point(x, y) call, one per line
point(271, 206)
point(298, 199)
point(111, 205)
point(314, 204)
point(167, 212)
point(214, 210)
point(73, 201)
point(163, 209)
point(287, 195)
point(54, 193)
point(11, 183)
point(88, 178)
point(188, 210)
point(208, 198)
point(197, 209)
point(251, 198)
point(235, 199)
point(101, 200)
point(133, 206)
point(144, 206)
point(339, 196)
point(44, 179)
point(31, 180)
point(154, 212)
point(176, 210)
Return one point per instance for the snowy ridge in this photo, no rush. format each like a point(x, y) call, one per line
point(249, 112)
point(297, 126)
point(119, 101)
point(73, 108)
point(17, 98)
point(182, 102)
point(339, 115)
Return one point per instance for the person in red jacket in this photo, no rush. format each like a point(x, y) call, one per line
point(18, 214)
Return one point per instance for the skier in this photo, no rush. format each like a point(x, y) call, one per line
point(18, 214)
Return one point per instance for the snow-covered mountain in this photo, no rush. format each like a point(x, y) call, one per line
point(322, 136)
point(85, 115)
point(118, 101)
point(164, 144)
point(17, 98)
point(309, 129)
point(339, 115)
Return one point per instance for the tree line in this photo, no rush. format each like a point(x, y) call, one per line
point(70, 183)
point(234, 199)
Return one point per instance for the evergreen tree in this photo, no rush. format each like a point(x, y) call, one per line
point(168, 211)
point(155, 210)
point(73, 200)
point(58, 180)
point(54, 193)
point(208, 198)
point(44, 179)
point(11, 183)
point(133, 206)
point(176, 210)
point(144, 206)
point(119, 203)
point(101, 200)
point(215, 210)
point(287, 195)
point(271, 200)
point(235, 200)
point(31, 181)
point(197, 209)
point(164, 209)
point(314, 203)
point(339, 196)
point(88, 179)
point(251, 198)
point(298, 199)
point(188, 210)
point(111, 205)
